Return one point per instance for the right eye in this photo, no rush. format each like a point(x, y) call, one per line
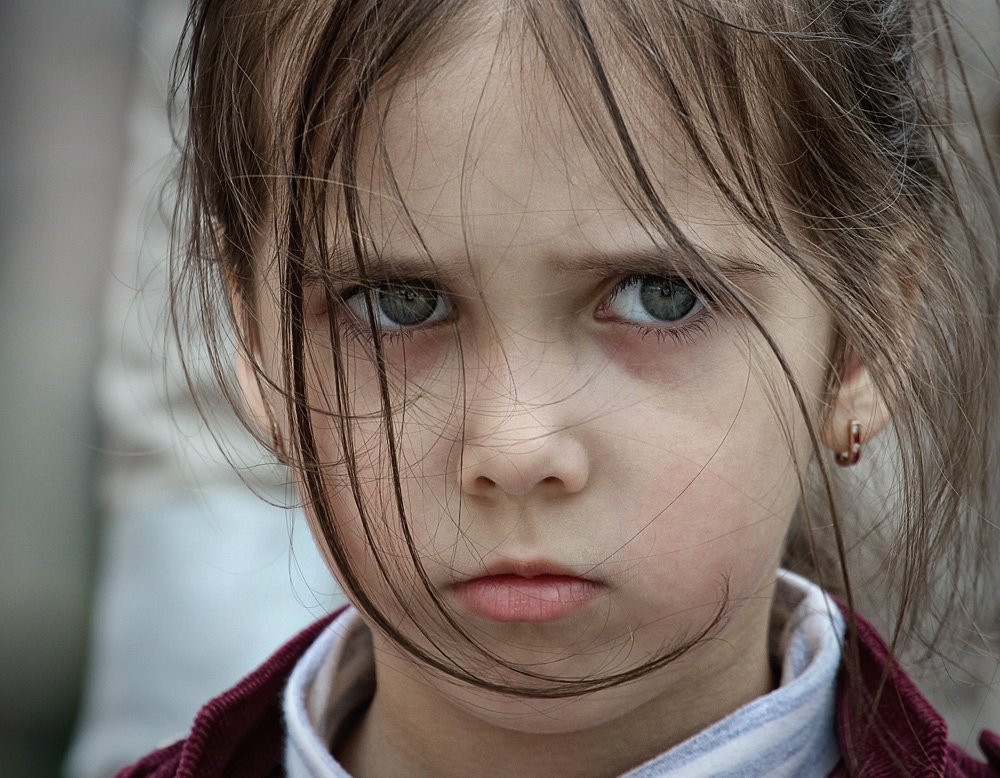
point(401, 305)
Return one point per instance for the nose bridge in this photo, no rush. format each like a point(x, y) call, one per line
point(522, 422)
point(521, 382)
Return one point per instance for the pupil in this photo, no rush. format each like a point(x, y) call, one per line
point(667, 299)
point(407, 306)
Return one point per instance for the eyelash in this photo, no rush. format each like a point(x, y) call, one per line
point(685, 333)
point(686, 329)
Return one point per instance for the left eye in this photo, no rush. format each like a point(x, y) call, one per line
point(652, 300)
point(401, 305)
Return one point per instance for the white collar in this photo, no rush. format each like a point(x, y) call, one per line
point(788, 733)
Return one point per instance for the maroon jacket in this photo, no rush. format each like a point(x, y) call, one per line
point(240, 734)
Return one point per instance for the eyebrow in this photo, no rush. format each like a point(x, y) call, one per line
point(663, 261)
point(654, 261)
point(341, 265)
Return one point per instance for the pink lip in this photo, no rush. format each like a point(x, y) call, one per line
point(522, 597)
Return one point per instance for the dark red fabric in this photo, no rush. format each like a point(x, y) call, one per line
point(240, 734)
point(905, 736)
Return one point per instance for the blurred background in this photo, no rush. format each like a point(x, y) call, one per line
point(94, 505)
point(138, 574)
point(64, 78)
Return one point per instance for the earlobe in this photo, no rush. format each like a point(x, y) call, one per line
point(858, 414)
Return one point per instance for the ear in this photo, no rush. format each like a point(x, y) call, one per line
point(252, 393)
point(254, 390)
point(255, 394)
point(859, 400)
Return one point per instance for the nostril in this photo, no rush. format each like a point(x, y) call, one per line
point(554, 462)
point(484, 483)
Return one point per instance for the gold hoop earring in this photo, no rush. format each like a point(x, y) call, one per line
point(853, 452)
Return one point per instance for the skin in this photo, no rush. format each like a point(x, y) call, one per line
point(545, 425)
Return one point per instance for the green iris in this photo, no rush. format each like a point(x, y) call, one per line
point(667, 299)
point(409, 304)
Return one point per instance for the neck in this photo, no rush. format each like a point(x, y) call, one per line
point(411, 729)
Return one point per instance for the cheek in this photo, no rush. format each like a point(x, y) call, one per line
point(359, 490)
point(727, 484)
point(713, 467)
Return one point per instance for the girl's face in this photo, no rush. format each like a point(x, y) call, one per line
point(595, 455)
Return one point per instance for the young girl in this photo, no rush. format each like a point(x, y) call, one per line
point(564, 314)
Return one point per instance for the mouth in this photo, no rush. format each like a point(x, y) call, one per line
point(530, 594)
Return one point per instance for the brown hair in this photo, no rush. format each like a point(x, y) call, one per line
point(810, 116)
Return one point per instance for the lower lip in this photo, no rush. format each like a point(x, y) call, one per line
point(515, 598)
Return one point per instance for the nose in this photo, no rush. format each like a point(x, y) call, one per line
point(517, 446)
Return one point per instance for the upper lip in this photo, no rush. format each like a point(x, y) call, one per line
point(523, 569)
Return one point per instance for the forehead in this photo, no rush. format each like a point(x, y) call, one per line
point(483, 143)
